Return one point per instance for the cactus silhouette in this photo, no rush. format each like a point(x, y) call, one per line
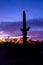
point(24, 29)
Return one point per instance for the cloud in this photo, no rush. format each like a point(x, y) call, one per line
point(13, 29)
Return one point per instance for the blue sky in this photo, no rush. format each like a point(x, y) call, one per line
point(11, 10)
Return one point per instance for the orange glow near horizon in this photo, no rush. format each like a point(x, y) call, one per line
point(15, 39)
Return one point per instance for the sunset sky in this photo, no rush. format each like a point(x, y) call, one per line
point(11, 12)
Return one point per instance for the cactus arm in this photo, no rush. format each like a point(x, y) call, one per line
point(27, 28)
point(21, 29)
